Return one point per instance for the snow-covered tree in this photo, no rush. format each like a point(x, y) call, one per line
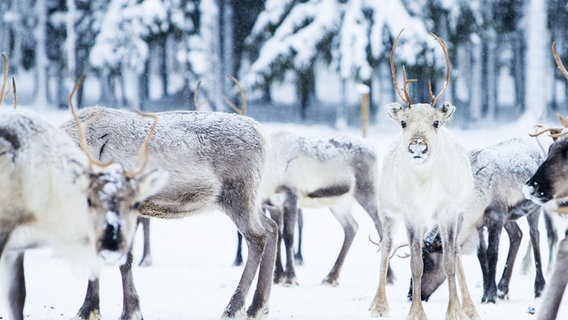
point(351, 36)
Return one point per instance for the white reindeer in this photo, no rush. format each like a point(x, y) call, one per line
point(426, 179)
point(54, 194)
point(215, 160)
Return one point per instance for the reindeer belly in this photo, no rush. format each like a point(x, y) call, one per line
point(325, 196)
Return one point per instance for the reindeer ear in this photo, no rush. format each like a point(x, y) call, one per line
point(150, 182)
point(393, 110)
point(447, 110)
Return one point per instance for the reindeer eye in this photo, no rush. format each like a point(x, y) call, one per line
point(136, 205)
point(403, 124)
point(90, 202)
point(436, 124)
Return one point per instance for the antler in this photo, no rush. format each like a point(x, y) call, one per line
point(400, 245)
point(558, 61)
point(14, 92)
point(196, 103)
point(406, 98)
point(243, 110)
point(80, 129)
point(448, 68)
point(144, 152)
point(3, 91)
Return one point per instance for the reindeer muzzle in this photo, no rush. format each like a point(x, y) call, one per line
point(533, 190)
point(418, 149)
point(111, 243)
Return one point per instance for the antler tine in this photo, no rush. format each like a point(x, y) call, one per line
point(552, 131)
point(4, 79)
point(558, 61)
point(144, 149)
point(406, 97)
point(80, 129)
point(14, 92)
point(400, 245)
point(448, 69)
point(243, 110)
point(195, 102)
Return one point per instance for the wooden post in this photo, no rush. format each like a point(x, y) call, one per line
point(364, 91)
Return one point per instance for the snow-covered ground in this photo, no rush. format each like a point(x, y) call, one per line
point(192, 276)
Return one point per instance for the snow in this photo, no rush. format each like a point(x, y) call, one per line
point(192, 276)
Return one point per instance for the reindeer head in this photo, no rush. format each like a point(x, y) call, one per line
point(114, 194)
point(113, 198)
point(420, 122)
point(549, 181)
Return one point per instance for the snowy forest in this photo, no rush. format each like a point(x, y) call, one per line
point(304, 60)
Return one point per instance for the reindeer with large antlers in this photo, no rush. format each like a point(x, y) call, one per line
point(426, 180)
point(57, 195)
point(548, 186)
point(215, 160)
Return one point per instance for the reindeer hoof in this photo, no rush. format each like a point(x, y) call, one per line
point(145, 262)
point(93, 315)
point(380, 310)
point(290, 282)
point(330, 282)
point(239, 314)
point(260, 313)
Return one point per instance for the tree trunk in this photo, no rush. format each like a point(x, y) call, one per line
point(41, 62)
point(519, 70)
point(538, 60)
point(164, 64)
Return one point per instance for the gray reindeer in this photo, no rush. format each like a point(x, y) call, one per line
point(57, 195)
point(499, 172)
point(215, 160)
point(309, 172)
point(548, 186)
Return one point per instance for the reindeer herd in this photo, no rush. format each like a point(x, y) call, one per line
point(81, 188)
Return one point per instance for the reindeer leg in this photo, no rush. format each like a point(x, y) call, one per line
point(146, 260)
point(290, 219)
point(380, 306)
point(482, 257)
point(91, 306)
point(494, 227)
point(415, 238)
point(13, 263)
point(368, 201)
point(539, 282)
point(467, 303)
point(552, 236)
point(342, 213)
point(557, 284)
point(259, 305)
point(449, 235)
point(131, 301)
point(260, 236)
point(277, 215)
point(239, 256)
point(298, 255)
point(515, 236)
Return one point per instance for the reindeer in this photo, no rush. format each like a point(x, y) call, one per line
point(310, 172)
point(55, 194)
point(499, 172)
point(215, 160)
point(548, 187)
point(426, 179)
